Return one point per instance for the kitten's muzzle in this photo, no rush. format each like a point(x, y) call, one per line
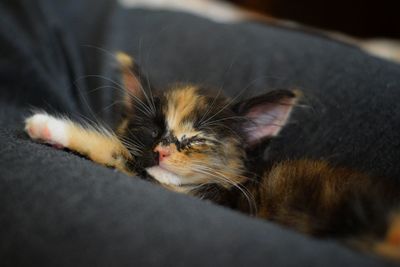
point(162, 152)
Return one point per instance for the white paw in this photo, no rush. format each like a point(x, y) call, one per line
point(47, 129)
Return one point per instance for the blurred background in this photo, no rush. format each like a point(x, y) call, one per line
point(360, 18)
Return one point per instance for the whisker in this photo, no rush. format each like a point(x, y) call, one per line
point(211, 106)
point(222, 126)
point(133, 142)
point(205, 170)
point(143, 107)
point(136, 139)
point(232, 171)
point(150, 103)
point(112, 55)
point(246, 193)
point(228, 104)
point(96, 125)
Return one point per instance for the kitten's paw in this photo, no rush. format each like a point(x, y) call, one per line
point(47, 129)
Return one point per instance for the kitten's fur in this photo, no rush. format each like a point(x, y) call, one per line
point(197, 142)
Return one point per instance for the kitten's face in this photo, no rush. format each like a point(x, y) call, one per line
point(185, 137)
point(191, 139)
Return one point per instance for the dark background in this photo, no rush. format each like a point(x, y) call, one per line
point(362, 18)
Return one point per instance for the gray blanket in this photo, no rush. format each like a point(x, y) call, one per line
point(59, 209)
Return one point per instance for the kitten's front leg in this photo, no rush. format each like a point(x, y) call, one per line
point(99, 146)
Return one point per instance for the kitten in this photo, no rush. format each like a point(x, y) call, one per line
point(196, 142)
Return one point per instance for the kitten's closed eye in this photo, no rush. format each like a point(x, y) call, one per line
point(191, 141)
point(154, 133)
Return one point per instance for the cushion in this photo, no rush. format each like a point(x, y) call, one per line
point(58, 208)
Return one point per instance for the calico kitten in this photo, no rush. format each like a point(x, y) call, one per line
point(196, 142)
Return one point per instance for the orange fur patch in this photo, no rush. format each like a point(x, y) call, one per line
point(101, 148)
point(181, 103)
point(390, 247)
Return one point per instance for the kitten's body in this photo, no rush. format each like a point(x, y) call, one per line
point(195, 142)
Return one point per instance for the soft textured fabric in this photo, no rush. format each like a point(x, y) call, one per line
point(59, 209)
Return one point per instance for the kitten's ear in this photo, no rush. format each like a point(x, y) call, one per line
point(266, 115)
point(133, 89)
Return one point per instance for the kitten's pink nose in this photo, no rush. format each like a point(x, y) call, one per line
point(163, 152)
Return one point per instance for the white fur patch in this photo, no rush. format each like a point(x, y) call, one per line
point(48, 129)
point(164, 176)
point(211, 9)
